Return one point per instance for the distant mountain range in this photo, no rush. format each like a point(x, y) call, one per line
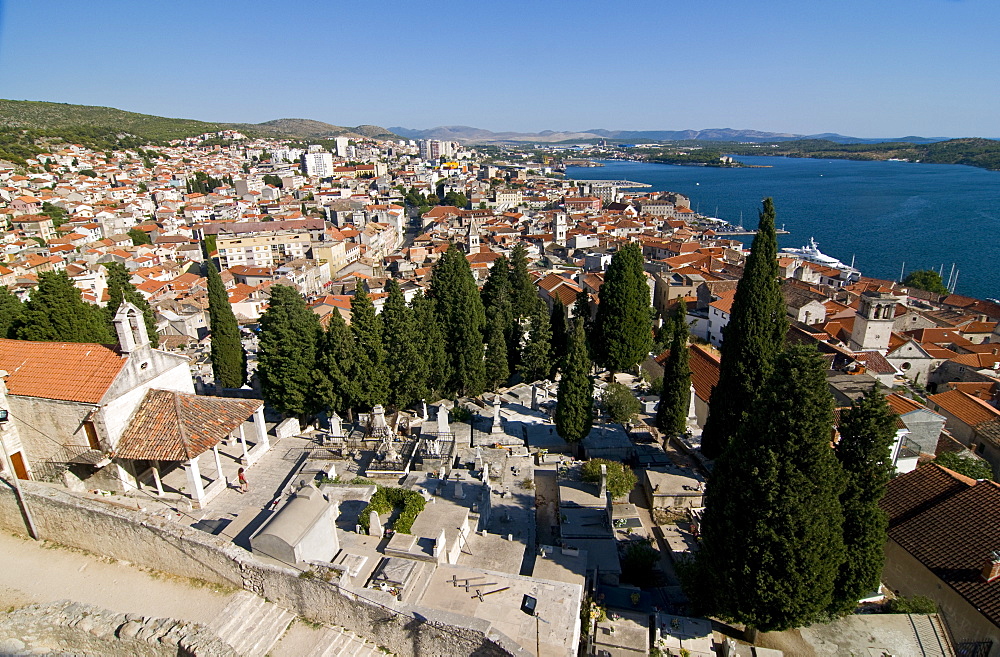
point(466, 134)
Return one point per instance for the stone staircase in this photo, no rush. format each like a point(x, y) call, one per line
point(251, 624)
point(338, 642)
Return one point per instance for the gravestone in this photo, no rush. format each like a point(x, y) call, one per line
point(374, 525)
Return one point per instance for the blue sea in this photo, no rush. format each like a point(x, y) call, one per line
point(888, 216)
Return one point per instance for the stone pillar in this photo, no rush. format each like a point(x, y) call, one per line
point(197, 493)
point(692, 410)
point(486, 474)
point(604, 481)
point(497, 425)
point(336, 426)
point(439, 545)
point(442, 420)
point(374, 525)
point(243, 444)
point(423, 410)
point(156, 478)
point(218, 463)
point(258, 420)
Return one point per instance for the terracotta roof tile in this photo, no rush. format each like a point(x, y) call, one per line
point(965, 408)
point(177, 426)
point(69, 371)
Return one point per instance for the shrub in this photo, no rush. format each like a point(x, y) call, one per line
point(914, 604)
point(385, 499)
point(621, 479)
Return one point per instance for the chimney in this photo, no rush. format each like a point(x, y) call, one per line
point(991, 570)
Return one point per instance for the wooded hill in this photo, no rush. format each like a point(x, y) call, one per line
point(30, 127)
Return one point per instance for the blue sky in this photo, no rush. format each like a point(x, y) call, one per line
point(879, 68)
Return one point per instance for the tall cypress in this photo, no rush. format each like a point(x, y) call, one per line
point(623, 333)
point(56, 312)
point(432, 343)
point(120, 287)
point(867, 433)
point(404, 359)
point(497, 369)
point(335, 389)
point(536, 362)
point(522, 289)
point(575, 405)
point(582, 309)
point(557, 320)
point(229, 360)
point(460, 313)
point(675, 398)
point(498, 305)
point(368, 371)
point(289, 340)
point(772, 540)
point(752, 339)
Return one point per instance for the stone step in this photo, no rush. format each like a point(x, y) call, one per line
point(250, 624)
point(338, 642)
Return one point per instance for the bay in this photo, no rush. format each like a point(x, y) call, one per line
point(883, 214)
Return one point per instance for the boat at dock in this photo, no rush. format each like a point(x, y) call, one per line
point(811, 253)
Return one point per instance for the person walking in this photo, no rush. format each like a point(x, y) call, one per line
point(242, 478)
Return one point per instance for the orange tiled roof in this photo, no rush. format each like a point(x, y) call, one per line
point(68, 371)
point(177, 426)
point(967, 409)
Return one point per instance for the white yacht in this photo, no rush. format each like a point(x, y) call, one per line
point(811, 253)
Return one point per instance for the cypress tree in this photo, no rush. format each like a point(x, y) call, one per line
point(754, 336)
point(289, 339)
point(56, 312)
point(497, 370)
point(772, 540)
point(522, 289)
point(498, 306)
point(675, 398)
point(460, 314)
point(623, 332)
point(368, 371)
point(119, 286)
point(404, 359)
point(432, 344)
point(867, 433)
point(335, 390)
point(536, 362)
point(229, 360)
point(11, 310)
point(575, 405)
point(585, 312)
point(559, 336)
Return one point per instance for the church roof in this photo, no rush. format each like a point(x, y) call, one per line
point(67, 371)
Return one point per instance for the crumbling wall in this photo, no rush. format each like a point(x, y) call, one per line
point(167, 546)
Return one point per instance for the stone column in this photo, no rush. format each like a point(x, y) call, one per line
point(258, 420)
point(218, 463)
point(197, 493)
point(156, 478)
point(604, 481)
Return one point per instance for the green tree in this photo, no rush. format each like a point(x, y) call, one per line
point(11, 310)
point(754, 336)
point(523, 296)
point(289, 337)
point(120, 287)
point(497, 370)
point(926, 279)
point(58, 214)
point(970, 466)
point(675, 397)
point(621, 479)
point(404, 359)
point(536, 363)
point(575, 404)
point(560, 337)
point(772, 533)
point(583, 309)
point(867, 432)
point(334, 388)
point(56, 312)
point(621, 405)
point(432, 343)
point(461, 317)
point(229, 359)
point(139, 237)
point(368, 371)
point(623, 331)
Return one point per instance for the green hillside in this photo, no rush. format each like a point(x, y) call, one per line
point(31, 127)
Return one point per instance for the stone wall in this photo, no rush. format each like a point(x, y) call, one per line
point(76, 628)
point(121, 533)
